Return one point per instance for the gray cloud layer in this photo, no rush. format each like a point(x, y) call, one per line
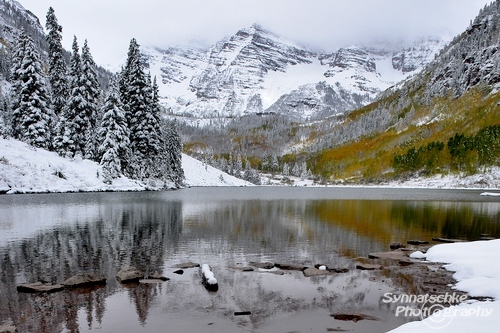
point(321, 24)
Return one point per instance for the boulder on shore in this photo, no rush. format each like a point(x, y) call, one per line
point(129, 274)
point(39, 287)
point(84, 279)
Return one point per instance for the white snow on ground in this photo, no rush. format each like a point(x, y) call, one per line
point(477, 270)
point(488, 179)
point(201, 174)
point(24, 169)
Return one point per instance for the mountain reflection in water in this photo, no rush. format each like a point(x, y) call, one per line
point(51, 237)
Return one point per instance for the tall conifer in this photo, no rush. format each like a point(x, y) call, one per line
point(32, 112)
point(91, 94)
point(57, 66)
point(114, 137)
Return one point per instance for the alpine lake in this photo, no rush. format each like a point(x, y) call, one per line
point(51, 237)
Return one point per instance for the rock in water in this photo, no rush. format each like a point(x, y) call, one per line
point(129, 274)
point(84, 279)
point(39, 287)
point(396, 245)
point(312, 271)
point(368, 267)
point(209, 279)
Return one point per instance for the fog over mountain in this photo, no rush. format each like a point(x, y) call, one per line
point(321, 25)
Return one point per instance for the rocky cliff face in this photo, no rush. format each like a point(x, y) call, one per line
point(13, 17)
point(256, 71)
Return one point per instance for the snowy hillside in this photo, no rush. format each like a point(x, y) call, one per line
point(257, 71)
point(24, 169)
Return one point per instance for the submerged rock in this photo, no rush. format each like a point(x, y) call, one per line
point(151, 280)
point(157, 276)
point(243, 268)
point(417, 242)
point(264, 265)
point(447, 240)
point(368, 267)
point(129, 274)
point(290, 267)
point(394, 255)
point(355, 317)
point(186, 265)
point(39, 287)
point(84, 279)
point(274, 270)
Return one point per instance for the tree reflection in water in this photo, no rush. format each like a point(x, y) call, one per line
point(99, 233)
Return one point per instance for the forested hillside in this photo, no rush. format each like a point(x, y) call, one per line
point(443, 120)
point(64, 108)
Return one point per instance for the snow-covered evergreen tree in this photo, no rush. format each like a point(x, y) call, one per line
point(70, 139)
point(91, 94)
point(286, 170)
point(32, 112)
point(173, 153)
point(57, 66)
point(251, 175)
point(274, 166)
point(135, 95)
point(238, 166)
point(15, 116)
point(114, 137)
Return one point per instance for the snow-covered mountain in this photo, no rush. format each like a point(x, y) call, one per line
point(256, 71)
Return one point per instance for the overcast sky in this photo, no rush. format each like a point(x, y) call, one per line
point(320, 24)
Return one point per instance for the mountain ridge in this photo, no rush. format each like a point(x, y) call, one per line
point(254, 69)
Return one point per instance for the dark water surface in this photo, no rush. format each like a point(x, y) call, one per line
point(50, 237)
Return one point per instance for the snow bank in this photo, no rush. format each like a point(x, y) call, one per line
point(25, 169)
point(201, 174)
point(477, 270)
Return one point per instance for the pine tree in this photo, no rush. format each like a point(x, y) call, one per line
point(238, 166)
point(31, 110)
point(114, 137)
point(57, 66)
point(155, 145)
point(15, 116)
point(91, 94)
point(173, 154)
point(134, 93)
point(71, 127)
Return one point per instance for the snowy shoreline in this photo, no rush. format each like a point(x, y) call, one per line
point(476, 271)
point(28, 170)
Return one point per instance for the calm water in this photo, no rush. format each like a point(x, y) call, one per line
point(49, 237)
